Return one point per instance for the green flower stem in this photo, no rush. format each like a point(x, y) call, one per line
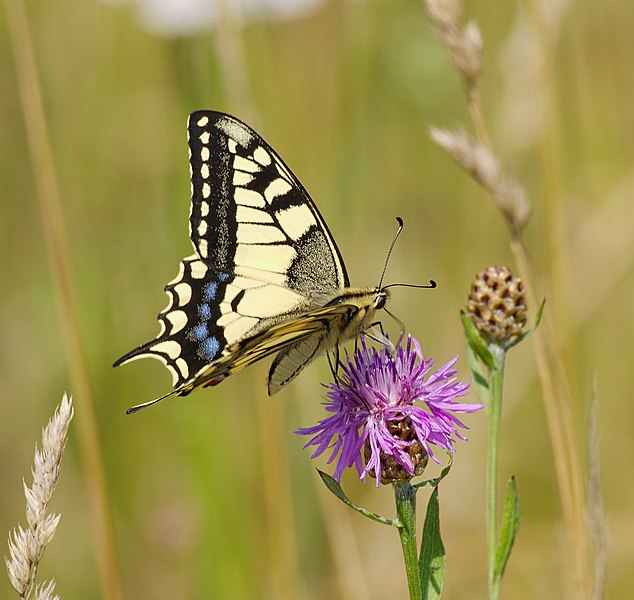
point(495, 410)
point(405, 495)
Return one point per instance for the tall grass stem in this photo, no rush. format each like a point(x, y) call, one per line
point(552, 372)
point(567, 450)
point(52, 221)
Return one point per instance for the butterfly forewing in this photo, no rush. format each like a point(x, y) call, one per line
point(251, 216)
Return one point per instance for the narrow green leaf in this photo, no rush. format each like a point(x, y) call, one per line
point(510, 527)
point(434, 482)
point(431, 564)
point(476, 366)
point(538, 316)
point(534, 326)
point(333, 485)
point(475, 341)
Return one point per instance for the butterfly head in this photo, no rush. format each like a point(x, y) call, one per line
point(381, 296)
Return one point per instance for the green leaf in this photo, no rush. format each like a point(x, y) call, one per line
point(510, 527)
point(333, 485)
point(476, 342)
point(531, 330)
point(434, 482)
point(431, 564)
point(476, 349)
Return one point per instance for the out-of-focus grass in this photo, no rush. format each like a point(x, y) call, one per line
point(345, 96)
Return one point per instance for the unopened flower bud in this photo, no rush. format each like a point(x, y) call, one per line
point(497, 305)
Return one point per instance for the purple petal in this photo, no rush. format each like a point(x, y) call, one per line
point(375, 388)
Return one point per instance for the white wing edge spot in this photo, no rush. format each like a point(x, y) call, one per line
point(175, 374)
point(183, 366)
point(202, 121)
point(198, 269)
point(184, 293)
point(169, 347)
point(178, 320)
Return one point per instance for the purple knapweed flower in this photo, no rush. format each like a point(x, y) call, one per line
point(374, 415)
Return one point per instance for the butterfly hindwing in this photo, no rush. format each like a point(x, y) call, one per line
point(337, 322)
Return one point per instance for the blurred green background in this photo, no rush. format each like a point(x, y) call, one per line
point(212, 495)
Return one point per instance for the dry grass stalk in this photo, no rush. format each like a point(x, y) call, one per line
point(464, 42)
point(480, 161)
point(597, 520)
point(26, 546)
point(509, 197)
point(58, 253)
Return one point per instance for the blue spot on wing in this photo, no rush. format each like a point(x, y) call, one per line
point(210, 290)
point(200, 332)
point(209, 348)
point(204, 311)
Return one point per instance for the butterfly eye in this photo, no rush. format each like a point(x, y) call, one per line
point(379, 301)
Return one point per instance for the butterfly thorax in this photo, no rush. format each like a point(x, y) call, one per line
point(366, 301)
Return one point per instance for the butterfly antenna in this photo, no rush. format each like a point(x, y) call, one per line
point(389, 253)
point(431, 285)
point(138, 407)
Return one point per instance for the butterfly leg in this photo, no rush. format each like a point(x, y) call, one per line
point(383, 340)
point(380, 326)
point(334, 368)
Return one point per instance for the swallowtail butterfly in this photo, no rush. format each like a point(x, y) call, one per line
point(266, 276)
